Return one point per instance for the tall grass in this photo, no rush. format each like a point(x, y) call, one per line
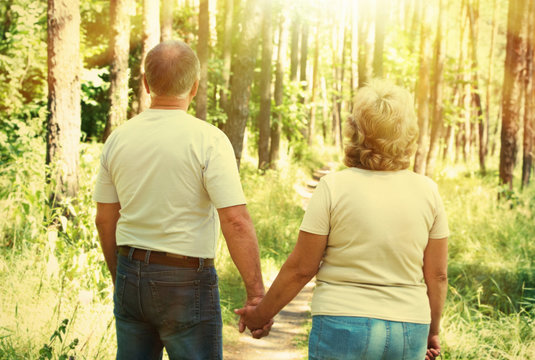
point(53, 272)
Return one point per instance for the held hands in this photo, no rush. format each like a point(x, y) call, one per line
point(251, 319)
point(433, 347)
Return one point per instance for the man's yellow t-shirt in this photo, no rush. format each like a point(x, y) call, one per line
point(170, 172)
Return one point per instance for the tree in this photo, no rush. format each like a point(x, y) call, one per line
point(437, 94)
point(64, 120)
point(150, 38)
point(515, 60)
point(294, 44)
point(264, 116)
point(227, 51)
point(168, 7)
point(529, 107)
point(422, 95)
point(364, 46)
point(473, 15)
point(381, 19)
point(202, 53)
point(242, 68)
point(120, 47)
point(279, 95)
point(315, 70)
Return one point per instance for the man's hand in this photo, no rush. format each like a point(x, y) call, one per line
point(249, 318)
point(433, 347)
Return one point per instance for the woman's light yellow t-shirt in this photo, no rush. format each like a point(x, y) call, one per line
point(379, 224)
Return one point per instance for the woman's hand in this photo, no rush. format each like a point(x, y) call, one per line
point(433, 347)
point(251, 319)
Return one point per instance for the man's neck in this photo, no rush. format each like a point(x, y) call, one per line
point(169, 103)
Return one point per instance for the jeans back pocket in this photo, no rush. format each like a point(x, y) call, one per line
point(176, 303)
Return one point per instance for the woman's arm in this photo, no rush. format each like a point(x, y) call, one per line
point(436, 277)
point(301, 266)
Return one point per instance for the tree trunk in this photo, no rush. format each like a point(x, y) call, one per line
point(264, 115)
point(490, 70)
point(227, 52)
point(294, 45)
point(63, 120)
point(202, 53)
point(473, 15)
point(515, 58)
point(120, 47)
point(243, 64)
point(436, 94)
point(303, 60)
point(381, 18)
point(312, 120)
point(422, 96)
point(529, 110)
point(364, 46)
point(279, 95)
point(168, 8)
point(151, 38)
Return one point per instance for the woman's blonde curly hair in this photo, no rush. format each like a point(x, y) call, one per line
point(383, 130)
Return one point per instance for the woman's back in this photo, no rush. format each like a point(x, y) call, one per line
point(379, 223)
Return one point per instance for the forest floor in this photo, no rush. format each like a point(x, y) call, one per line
point(289, 335)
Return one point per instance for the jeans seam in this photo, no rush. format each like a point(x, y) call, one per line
point(368, 326)
point(319, 334)
point(406, 340)
point(387, 340)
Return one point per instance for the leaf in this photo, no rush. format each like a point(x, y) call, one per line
point(63, 221)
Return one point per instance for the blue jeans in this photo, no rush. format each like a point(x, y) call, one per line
point(351, 337)
point(159, 306)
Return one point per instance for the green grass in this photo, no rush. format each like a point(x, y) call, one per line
point(53, 273)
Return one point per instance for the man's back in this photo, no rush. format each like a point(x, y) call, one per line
point(170, 172)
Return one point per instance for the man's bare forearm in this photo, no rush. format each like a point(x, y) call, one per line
point(106, 222)
point(242, 243)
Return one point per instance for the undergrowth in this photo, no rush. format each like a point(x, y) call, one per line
point(51, 266)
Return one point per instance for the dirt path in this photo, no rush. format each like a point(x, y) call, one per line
point(288, 330)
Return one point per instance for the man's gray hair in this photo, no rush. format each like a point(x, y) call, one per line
point(171, 68)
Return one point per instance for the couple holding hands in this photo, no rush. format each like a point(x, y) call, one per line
point(374, 234)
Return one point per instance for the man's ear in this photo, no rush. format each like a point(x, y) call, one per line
point(146, 84)
point(194, 89)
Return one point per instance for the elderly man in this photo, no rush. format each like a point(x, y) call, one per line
point(166, 181)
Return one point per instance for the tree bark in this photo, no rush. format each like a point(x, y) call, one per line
point(303, 60)
point(243, 64)
point(168, 8)
point(422, 96)
point(529, 109)
point(120, 47)
point(364, 46)
point(381, 18)
point(294, 45)
point(515, 58)
point(227, 52)
point(313, 107)
point(63, 120)
point(490, 70)
point(202, 53)
point(436, 94)
point(279, 95)
point(151, 38)
point(264, 115)
point(473, 15)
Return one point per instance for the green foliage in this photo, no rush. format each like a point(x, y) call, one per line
point(95, 102)
point(47, 351)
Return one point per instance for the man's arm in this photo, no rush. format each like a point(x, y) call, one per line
point(106, 222)
point(242, 244)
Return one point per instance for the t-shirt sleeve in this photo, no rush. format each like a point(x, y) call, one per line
point(440, 229)
point(105, 191)
point(318, 214)
point(221, 176)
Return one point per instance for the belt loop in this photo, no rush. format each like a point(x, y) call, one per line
point(201, 265)
point(147, 257)
point(131, 253)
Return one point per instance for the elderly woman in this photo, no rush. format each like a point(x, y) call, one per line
point(375, 236)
